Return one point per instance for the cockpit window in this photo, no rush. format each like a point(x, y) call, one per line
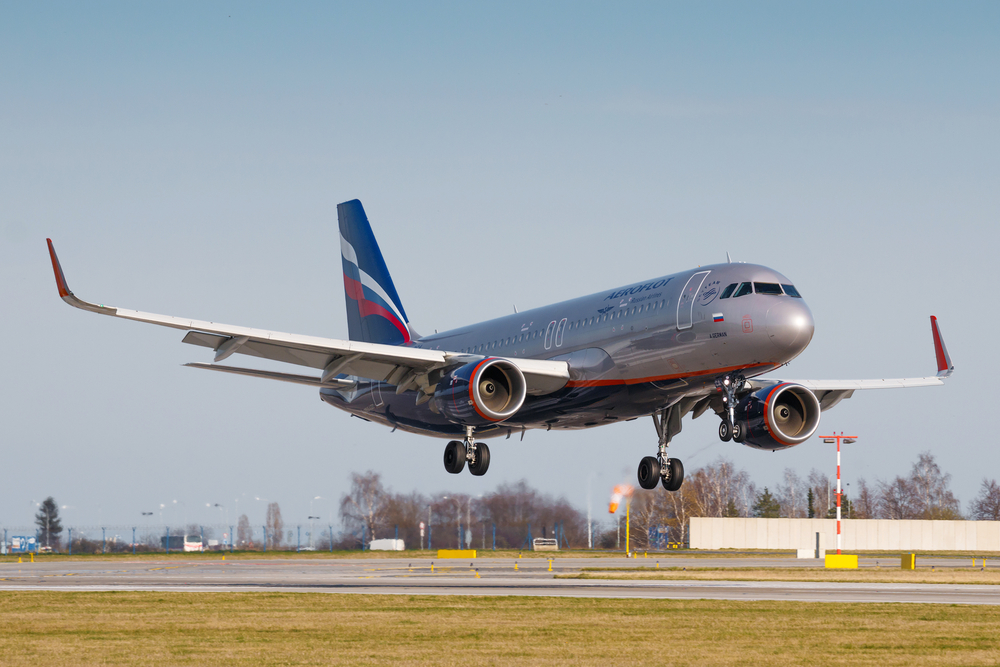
point(767, 288)
point(791, 291)
point(728, 292)
point(743, 290)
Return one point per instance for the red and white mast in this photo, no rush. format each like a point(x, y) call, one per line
point(847, 440)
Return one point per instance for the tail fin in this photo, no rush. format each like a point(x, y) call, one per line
point(374, 312)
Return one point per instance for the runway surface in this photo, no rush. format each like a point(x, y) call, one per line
point(482, 576)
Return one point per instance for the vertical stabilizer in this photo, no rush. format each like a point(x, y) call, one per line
point(374, 312)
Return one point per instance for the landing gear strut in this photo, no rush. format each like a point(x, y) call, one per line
point(456, 453)
point(653, 470)
point(730, 385)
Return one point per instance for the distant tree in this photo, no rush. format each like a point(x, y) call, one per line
point(810, 509)
point(766, 506)
point(791, 495)
point(731, 510)
point(986, 506)
point(895, 499)
point(846, 509)
point(713, 486)
point(932, 497)
point(244, 534)
point(49, 525)
point(822, 498)
point(925, 494)
point(365, 505)
point(866, 504)
point(274, 525)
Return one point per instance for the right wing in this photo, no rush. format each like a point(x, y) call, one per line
point(831, 392)
point(405, 367)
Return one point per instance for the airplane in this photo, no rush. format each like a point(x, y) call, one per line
point(680, 344)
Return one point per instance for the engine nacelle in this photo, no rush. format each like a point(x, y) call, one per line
point(483, 392)
point(780, 416)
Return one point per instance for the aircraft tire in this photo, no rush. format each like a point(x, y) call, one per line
point(454, 457)
point(725, 431)
point(739, 433)
point(649, 472)
point(482, 462)
point(676, 476)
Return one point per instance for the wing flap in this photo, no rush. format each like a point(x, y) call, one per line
point(274, 375)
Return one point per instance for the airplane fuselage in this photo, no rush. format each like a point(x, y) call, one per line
point(631, 351)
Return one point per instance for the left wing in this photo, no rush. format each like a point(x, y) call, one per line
point(831, 392)
point(405, 367)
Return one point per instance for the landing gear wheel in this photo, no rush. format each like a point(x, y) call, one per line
point(649, 472)
point(739, 433)
point(673, 481)
point(454, 457)
point(725, 431)
point(482, 462)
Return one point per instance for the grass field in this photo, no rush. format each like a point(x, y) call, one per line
point(56, 629)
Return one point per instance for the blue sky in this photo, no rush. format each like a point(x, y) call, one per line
point(188, 158)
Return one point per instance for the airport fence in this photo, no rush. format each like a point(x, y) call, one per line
point(148, 538)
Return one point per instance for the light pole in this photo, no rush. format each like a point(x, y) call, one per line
point(458, 518)
point(830, 439)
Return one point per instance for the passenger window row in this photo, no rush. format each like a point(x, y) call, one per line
point(736, 290)
point(597, 319)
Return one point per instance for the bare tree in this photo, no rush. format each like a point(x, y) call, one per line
point(244, 534)
point(365, 506)
point(895, 499)
point(715, 485)
point(823, 497)
point(986, 506)
point(866, 502)
point(791, 494)
point(274, 525)
point(931, 496)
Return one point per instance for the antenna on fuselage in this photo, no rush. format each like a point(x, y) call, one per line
point(515, 308)
point(728, 258)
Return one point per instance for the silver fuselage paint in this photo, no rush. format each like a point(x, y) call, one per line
point(631, 350)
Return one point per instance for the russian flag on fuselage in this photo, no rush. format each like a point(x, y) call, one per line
point(374, 312)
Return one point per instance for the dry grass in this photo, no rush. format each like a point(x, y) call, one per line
point(865, 575)
point(56, 629)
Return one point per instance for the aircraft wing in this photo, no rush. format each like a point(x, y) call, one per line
point(831, 392)
point(405, 367)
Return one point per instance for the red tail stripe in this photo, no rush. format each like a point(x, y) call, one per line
point(356, 292)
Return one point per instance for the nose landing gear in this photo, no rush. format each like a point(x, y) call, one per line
point(456, 453)
point(729, 428)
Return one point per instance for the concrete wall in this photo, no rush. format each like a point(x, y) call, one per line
point(857, 534)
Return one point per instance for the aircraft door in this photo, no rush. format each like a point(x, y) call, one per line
point(685, 304)
point(549, 330)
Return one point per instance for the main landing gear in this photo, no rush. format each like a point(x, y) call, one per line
point(729, 428)
point(660, 468)
point(456, 453)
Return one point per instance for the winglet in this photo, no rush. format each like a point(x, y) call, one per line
point(57, 268)
point(68, 295)
point(944, 365)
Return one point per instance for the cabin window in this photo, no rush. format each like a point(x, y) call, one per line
point(791, 291)
point(743, 290)
point(728, 292)
point(773, 289)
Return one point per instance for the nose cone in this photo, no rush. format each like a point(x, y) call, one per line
point(790, 326)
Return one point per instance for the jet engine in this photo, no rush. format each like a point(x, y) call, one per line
point(482, 392)
point(779, 416)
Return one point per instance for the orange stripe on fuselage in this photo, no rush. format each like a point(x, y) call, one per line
point(661, 378)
